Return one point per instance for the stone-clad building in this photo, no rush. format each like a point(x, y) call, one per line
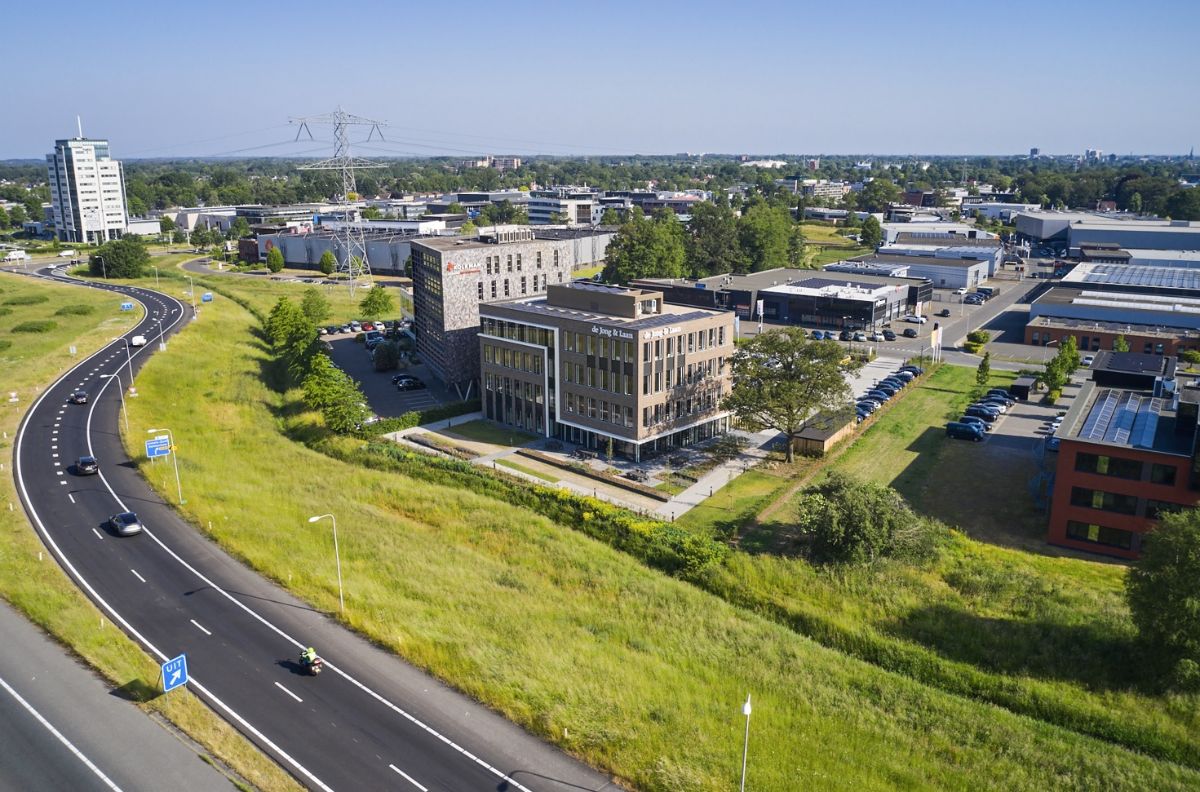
point(587, 363)
point(452, 276)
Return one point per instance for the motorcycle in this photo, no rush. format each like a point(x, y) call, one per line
point(313, 666)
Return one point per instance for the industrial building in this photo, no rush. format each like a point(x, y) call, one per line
point(948, 268)
point(452, 276)
point(1126, 454)
point(87, 191)
point(933, 230)
point(594, 365)
point(1070, 230)
point(947, 246)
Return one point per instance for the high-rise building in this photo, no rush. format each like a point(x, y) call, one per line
point(87, 188)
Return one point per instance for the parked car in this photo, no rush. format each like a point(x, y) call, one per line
point(410, 384)
point(818, 335)
point(869, 406)
point(910, 332)
point(996, 404)
point(972, 299)
point(125, 524)
point(87, 466)
point(980, 412)
point(961, 290)
point(913, 368)
point(346, 329)
point(893, 382)
point(876, 337)
point(888, 335)
point(906, 376)
point(322, 331)
point(399, 377)
point(973, 419)
point(879, 395)
point(914, 319)
point(1088, 360)
point(845, 335)
point(999, 392)
point(367, 326)
point(964, 431)
point(944, 312)
point(78, 397)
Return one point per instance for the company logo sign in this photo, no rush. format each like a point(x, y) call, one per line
point(662, 332)
point(611, 332)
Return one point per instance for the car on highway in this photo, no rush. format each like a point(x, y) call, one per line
point(78, 397)
point(888, 335)
point(87, 466)
point(914, 319)
point(910, 332)
point(138, 340)
point(125, 524)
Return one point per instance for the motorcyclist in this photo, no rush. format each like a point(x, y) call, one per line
point(308, 656)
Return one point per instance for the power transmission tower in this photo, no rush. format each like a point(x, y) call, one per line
point(349, 245)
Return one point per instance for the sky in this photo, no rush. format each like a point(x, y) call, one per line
point(612, 77)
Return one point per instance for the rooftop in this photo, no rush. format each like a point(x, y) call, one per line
point(1125, 418)
point(767, 279)
point(1145, 275)
point(843, 288)
point(540, 306)
point(935, 261)
point(1124, 328)
point(950, 240)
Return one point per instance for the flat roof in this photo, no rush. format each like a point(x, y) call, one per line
point(1146, 275)
point(1079, 295)
point(1182, 256)
point(1125, 328)
point(1126, 419)
point(539, 306)
point(924, 261)
point(768, 279)
point(950, 240)
point(844, 288)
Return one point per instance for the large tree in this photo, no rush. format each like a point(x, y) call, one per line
point(166, 225)
point(275, 259)
point(871, 232)
point(877, 194)
point(377, 304)
point(645, 248)
point(855, 522)
point(122, 258)
point(238, 228)
point(314, 305)
point(327, 263)
point(781, 380)
point(764, 234)
point(711, 243)
point(1163, 590)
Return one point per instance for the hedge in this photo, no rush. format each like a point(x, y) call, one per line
point(413, 418)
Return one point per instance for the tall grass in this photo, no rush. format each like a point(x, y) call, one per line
point(633, 671)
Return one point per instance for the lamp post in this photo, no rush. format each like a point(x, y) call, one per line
point(103, 267)
point(155, 275)
point(121, 393)
point(174, 459)
point(192, 291)
point(128, 358)
point(746, 744)
point(336, 556)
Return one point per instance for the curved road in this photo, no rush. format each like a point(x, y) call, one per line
point(369, 722)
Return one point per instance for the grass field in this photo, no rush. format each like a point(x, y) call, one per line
point(637, 672)
point(488, 432)
point(527, 470)
point(39, 588)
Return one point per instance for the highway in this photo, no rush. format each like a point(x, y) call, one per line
point(369, 722)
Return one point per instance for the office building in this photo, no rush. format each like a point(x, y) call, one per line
point(1126, 455)
point(452, 276)
point(564, 206)
point(945, 268)
point(87, 191)
point(594, 364)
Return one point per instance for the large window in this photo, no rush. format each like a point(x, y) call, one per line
point(1099, 534)
point(1162, 474)
point(1155, 509)
point(1108, 466)
point(1104, 501)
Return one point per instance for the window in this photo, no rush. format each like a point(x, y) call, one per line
point(487, 353)
point(570, 341)
point(556, 260)
point(1099, 534)
point(1104, 501)
point(518, 262)
point(539, 259)
point(670, 347)
point(493, 290)
point(506, 293)
point(1162, 474)
point(480, 290)
point(510, 262)
point(522, 284)
point(1108, 466)
point(1155, 509)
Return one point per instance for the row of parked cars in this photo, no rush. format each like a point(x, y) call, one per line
point(882, 392)
point(860, 336)
point(356, 326)
point(977, 420)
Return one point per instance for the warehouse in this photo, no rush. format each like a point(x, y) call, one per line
point(953, 268)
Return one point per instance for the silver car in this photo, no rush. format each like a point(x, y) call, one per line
point(125, 524)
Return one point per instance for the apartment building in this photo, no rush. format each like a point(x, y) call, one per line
point(87, 191)
point(593, 364)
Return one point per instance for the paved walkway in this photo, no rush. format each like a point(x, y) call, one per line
point(721, 475)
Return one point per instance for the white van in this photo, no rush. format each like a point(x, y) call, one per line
point(138, 340)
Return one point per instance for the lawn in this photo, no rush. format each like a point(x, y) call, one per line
point(488, 432)
point(39, 588)
point(527, 470)
point(737, 503)
point(637, 672)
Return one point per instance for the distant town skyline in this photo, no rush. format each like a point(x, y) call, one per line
point(624, 78)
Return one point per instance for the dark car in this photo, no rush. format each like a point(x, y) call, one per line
point(87, 466)
point(979, 412)
point(409, 384)
point(894, 380)
point(974, 419)
point(964, 431)
point(845, 335)
point(944, 312)
point(888, 335)
point(879, 395)
point(910, 332)
point(125, 524)
point(333, 329)
point(906, 376)
point(397, 378)
point(818, 335)
point(78, 397)
point(867, 406)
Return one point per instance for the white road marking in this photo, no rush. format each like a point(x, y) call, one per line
point(57, 464)
point(55, 456)
point(72, 497)
point(98, 534)
point(58, 735)
point(290, 693)
point(136, 575)
point(409, 778)
point(198, 627)
point(59, 472)
point(53, 448)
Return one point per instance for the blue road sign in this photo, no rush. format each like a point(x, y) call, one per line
point(174, 673)
point(206, 297)
point(126, 306)
point(158, 446)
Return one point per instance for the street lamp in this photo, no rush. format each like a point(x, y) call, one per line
point(174, 459)
point(746, 744)
point(128, 358)
point(121, 393)
point(155, 275)
point(336, 556)
point(192, 292)
point(103, 267)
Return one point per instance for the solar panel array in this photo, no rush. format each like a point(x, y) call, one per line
point(1122, 418)
point(1124, 275)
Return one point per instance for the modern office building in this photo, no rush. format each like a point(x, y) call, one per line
point(87, 191)
point(564, 206)
point(594, 364)
point(1127, 454)
point(452, 276)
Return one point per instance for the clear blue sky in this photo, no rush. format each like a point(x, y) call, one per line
point(652, 76)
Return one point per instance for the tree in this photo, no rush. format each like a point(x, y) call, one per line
point(372, 213)
point(612, 217)
point(339, 398)
point(385, 356)
point(763, 235)
point(456, 208)
point(327, 264)
point(377, 303)
point(1060, 368)
point(178, 237)
point(1163, 591)
point(877, 194)
point(984, 371)
point(556, 218)
point(781, 379)
point(238, 229)
point(645, 248)
point(4, 220)
point(293, 337)
point(871, 232)
point(122, 258)
point(166, 225)
point(17, 216)
point(467, 229)
point(1120, 344)
point(711, 243)
point(200, 237)
point(314, 305)
point(275, 259)
point(1135, 203)
point(796, 246)
point(849, 521)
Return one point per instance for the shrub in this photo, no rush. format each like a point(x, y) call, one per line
point(35, 326)
point(4, 344)
point(979, 336)
point(385, 356)
point(1190, 356)
point(75, 310)
point(5, 311)
point(410, 419)
point(27, 299)
point(1163, 591)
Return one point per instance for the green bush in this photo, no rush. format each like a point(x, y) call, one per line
point(35, 326)
point(1190, 356)
point(979, 336)
point(410, 419)
point(5, 311)
point(27, 299)
point(971, 347)
point(75, 310)
point(4, 344)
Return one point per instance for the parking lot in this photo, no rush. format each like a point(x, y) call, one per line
point(382, 396)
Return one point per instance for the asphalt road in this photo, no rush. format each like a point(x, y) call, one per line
point(369, 722)
point(61, 727)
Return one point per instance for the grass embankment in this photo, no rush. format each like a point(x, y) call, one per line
point(635, 671)
point(40, 589)
point(826, 245)
point(527, 470)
